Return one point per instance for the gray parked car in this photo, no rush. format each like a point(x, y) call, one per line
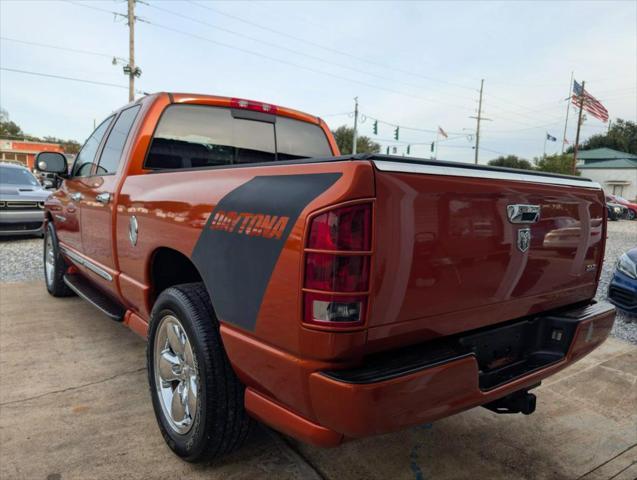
point(21, 201)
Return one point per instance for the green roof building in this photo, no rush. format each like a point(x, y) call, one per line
point(616, 171)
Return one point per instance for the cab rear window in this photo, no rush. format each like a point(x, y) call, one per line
point(196, 136)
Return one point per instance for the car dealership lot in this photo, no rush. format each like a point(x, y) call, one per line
point(74, 403)
point(21, 261)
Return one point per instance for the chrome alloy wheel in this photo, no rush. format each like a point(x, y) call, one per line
point(176, 374)
point(49, 260)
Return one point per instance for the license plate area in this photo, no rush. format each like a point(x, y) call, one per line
point(511, 351)
point(503, 352)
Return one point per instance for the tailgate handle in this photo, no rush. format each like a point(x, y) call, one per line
point(520, 213)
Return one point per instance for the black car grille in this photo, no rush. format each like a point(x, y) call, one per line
point(19, 227)
point(623, 297)
point(21, 205)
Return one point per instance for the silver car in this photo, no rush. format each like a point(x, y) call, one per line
point(21, 201)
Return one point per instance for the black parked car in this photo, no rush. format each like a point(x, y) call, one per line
point(616, 211)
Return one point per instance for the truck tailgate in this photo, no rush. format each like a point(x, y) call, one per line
point(448, 257)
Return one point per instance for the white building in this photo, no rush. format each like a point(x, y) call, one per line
point(615, 171)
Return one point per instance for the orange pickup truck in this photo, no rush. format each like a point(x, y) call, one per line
point(330, 297)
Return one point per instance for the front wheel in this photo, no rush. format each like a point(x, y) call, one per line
point(54, 265)
point(631, 214)
point(197, 398)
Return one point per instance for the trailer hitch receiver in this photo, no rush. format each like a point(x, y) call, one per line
point(517, 402)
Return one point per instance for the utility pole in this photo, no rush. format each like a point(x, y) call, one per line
point(478, 119)
point(355, 136)
point(568, 107)
point(131, 50)
point(579, 125)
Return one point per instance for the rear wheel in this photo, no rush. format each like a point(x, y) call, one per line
point(54, 265)
point(197, 398)
point(631, 214)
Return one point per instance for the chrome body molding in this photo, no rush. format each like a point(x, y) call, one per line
point(86, 263)
point(452, 171)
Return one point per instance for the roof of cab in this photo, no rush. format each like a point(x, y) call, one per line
point(216, 100)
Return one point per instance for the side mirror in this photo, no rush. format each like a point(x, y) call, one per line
point(51, 162)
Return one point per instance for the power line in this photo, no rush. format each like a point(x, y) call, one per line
point(329, 49)
point(278, 32)
point(57, 47)
point(285, 48)
point(296, 65)
point(251, 52)
point(298, 52)
point(91, 7)
point(62, 77)
point(335, 114)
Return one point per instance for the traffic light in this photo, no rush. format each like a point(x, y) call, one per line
point(396, 133)
point(408, 149)
point(432, 146)
point(387, 150)
point(375, 127)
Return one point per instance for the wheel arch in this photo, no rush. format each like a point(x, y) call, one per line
point(169, 267)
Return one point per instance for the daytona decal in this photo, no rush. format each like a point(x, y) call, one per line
point(243, 238)
point(253, 224)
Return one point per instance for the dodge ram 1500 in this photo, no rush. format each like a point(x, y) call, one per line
point(330, 297)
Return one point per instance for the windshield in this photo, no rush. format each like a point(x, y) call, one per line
point(17, 176)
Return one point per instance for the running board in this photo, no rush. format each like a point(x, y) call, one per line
point(95, 297)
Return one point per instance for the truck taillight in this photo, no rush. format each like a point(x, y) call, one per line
point(337, 267)
point(336, 273)
point(346, 228)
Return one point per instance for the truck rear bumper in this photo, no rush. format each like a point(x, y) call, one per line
point(423, 383)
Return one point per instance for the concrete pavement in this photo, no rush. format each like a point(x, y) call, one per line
point(74, 404)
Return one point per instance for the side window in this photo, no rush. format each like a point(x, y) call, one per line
point(190, 136)
point(114, 146)
point(86, 157)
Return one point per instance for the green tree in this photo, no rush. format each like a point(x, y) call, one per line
point(556, 164)
point(344, 136)
point(511, 161)
point(70, 146)
point(7, 127)
point(622, 136)
point(12, 130)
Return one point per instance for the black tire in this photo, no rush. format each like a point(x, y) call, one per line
point(221, 423)
point(55, 284)
point(631, 214)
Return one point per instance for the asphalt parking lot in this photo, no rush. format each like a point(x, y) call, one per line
point(74, 404)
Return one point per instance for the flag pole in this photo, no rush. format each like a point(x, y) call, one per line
point(568, 107)
point(437, 142)
point(546, 137)
point(579, 126)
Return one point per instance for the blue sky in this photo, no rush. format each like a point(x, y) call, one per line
point(414, 64)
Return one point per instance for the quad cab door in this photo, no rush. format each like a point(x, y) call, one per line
point(73, 190)
point(98, 203)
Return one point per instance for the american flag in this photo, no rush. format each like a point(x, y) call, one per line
point(588, 102)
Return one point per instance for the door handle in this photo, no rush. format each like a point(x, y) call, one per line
point(76, 197)
point(103, 198)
